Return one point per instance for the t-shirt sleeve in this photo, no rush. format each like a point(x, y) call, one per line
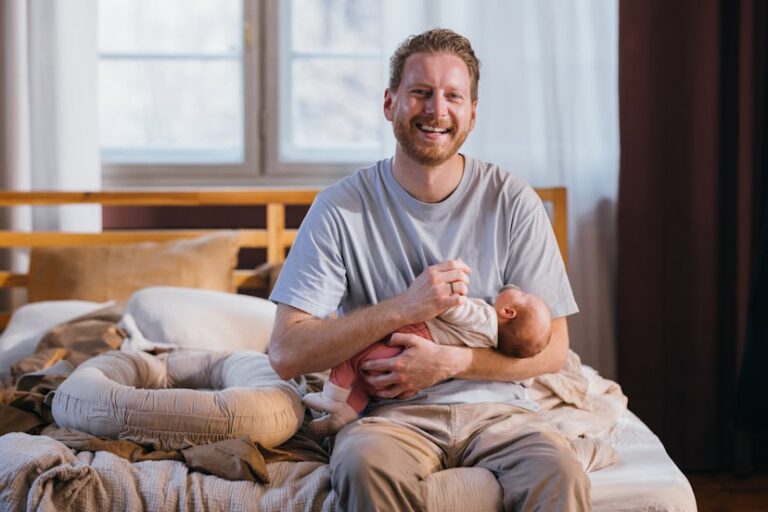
point(313, 277)
point(534, 262)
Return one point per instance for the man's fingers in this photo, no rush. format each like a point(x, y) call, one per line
point(453, 276)
point(390, 392)
point(458, 288)
point(379, 380)
point(399, 339)
point(454, 300)
point(377, 365)
point(445, 266)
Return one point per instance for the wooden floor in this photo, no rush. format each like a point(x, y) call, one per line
point(726, 493)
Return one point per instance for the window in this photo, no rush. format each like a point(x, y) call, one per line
point(239, 91)
point(331, 77)
point(173, 77)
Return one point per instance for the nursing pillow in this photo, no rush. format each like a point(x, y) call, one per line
point(179, 399)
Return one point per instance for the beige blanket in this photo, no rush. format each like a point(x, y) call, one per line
point(41, 473)
point(584, 407)
point(22, 399)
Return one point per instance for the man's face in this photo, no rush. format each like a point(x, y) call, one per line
point(432, 111)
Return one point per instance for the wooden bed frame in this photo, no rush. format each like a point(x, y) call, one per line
point(275, 237)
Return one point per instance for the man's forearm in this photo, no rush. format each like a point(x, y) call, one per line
point(489, 364)
point(302, 343)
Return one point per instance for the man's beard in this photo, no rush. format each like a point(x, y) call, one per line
point(423, 152)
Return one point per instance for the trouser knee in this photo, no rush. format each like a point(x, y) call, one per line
point(548, 477)
point(370, 475)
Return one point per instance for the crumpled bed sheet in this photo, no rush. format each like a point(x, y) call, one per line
point(42, 473)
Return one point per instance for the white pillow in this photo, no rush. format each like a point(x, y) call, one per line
point(29, 324)
point(202, 319)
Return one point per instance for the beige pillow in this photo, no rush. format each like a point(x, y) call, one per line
point(114, 272)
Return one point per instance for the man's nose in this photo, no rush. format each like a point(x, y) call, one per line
point(436, 106)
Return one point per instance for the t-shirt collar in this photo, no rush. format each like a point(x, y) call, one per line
point(407, 199)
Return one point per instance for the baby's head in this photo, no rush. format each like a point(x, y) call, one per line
point(525, 322)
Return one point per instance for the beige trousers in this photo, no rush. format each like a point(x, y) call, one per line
point(379, 461)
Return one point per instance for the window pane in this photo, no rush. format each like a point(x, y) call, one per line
point(171, 110)
point(335, 25)
point(170, 26)
point(336, 103)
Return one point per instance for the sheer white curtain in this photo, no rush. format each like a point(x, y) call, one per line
point(48, 102)
point(548, 112)
point(49, 105)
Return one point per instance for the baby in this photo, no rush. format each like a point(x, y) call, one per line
point(518, 324)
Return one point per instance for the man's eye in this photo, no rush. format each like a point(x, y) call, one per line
point(421, 92)
point(454, 96)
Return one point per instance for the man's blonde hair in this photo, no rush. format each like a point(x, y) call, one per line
point(437, 40)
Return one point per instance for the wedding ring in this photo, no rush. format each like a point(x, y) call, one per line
point(451, 285)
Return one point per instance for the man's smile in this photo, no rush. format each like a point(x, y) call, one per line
point(433, 129)
point(433, 132)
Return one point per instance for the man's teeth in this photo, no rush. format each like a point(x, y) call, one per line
point(433, 129)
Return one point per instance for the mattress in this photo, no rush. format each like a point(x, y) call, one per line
point(645, 478)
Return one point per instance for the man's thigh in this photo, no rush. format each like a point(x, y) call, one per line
point(494, 430)
point(380, 465)
point(531, 460)
point(389, 443)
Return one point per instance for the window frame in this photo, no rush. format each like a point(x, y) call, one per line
point(262, 125)
point(121, 175)
point(278, 33)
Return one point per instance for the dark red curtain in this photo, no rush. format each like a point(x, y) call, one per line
point(692, 79)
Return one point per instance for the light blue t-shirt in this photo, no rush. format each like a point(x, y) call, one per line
point(365, 240)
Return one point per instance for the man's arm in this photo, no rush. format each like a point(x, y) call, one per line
point(423, 363)
point(302, 343)
point(492, 365)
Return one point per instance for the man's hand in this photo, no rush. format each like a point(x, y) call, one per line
point(422, 363)
point(438, 288)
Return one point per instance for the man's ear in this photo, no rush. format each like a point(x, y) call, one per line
point(508, 312)
point(389, 100)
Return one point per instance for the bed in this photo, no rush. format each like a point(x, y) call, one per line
point(39, 472)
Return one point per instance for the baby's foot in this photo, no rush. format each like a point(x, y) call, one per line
point(333, 400)
point(330, 399)
point(330, 424)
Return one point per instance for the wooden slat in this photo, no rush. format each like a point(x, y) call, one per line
point(258, 196)
point(553, 194)
point(11, 280)
point(240, 279)
point(289, 236)
point(248, 279)
point(248, 237)
point(558, 197)
point(5, 317)
point(275, 230)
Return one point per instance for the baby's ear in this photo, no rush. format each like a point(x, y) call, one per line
point(508, 312)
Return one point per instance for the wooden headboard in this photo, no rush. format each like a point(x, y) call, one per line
point(274, 237)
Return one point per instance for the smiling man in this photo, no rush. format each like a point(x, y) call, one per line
point(400, 242)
